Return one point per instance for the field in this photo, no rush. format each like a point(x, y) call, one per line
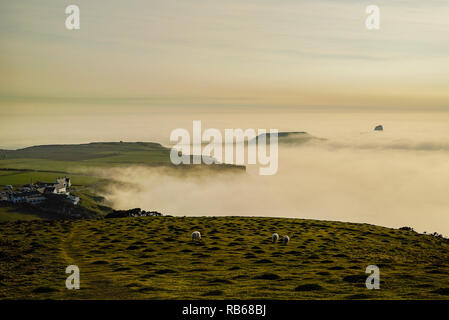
point(14, 213)
point(46, 163)
point(76, 158)
point(16, 177)
point(154, 258)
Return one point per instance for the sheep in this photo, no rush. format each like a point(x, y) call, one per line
point(286, 239)
point(275, 237)
point(196, 236)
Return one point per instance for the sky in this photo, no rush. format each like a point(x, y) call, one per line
point(160, 53)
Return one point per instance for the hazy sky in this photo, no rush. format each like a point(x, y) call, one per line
point(227, 52)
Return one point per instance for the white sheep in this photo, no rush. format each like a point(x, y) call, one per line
point(196, 236)
point(286, 239)
point(275, 237)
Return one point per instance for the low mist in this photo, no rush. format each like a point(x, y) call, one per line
point(369, 177)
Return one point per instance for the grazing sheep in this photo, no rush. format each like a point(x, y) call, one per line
point(275, 237)
point(286, 239)
point(196, 236)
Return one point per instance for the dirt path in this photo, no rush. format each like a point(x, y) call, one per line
point(94, 283)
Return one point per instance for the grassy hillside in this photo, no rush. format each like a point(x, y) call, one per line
point(25, 176)
point(81, 152)
point(17, 213)
point(47, 162)
point(153, 258)
point(75, 158)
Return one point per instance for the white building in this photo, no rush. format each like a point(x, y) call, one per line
point(3, 196)
point(73, 199)
point(26, 197)
point(65, 182)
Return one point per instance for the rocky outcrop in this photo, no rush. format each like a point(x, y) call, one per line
point(298, 137)
point(379, 128)
point(137, 212)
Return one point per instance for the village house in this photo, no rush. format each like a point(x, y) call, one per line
point(64, 182)
point(60, 186)
point(73, 199)
point(32, 197)
point(3, 196)
point(35, 194)
point(56, 189)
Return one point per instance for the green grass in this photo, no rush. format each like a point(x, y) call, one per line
point(45, 163)
point(81, 152)
point(24, 177)
point(14, 213)
point(153, 258)
point(77, 157)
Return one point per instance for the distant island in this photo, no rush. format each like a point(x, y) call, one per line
point(290, 137)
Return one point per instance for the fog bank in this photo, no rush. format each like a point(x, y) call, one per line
point(370, 177)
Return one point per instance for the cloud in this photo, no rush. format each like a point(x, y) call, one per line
point(290, 52)
point(385, 185)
